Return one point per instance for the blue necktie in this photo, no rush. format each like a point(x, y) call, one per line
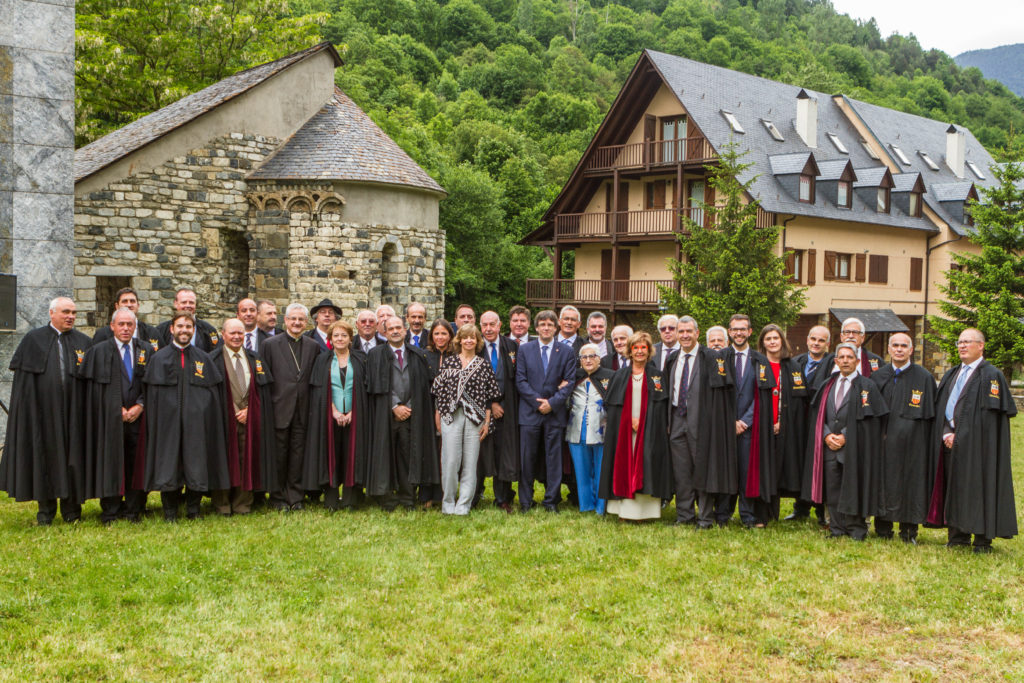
point(812, 365)
point(494, 357)
point(127, 360)
point(416, 339)
point(896, 375)
point(954, 396)
point(544, 358)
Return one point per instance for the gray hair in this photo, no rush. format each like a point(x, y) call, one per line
point(905, 335)
point(685, 320)
point(863, 329)
point(668, 317)
point(627, 328)
point(385, 307)
point(597, 314)
point(846, 345)
point(53, 303)
point(569, 308)
point(592, 347)
point(123, 309)
point(296, 307)
point(716, 328)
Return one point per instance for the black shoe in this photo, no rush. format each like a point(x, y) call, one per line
point(298, 506)
point(795, 518)
point(722, 524)
point(192, 515)
point(703, 525)
point(889, 536)
point(552, 509)
point(983, 549)
point(909, 540)
point(954, 546)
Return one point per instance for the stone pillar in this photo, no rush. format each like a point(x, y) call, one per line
point(37, 146)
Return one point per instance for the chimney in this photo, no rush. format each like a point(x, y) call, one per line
point(955, 150)
point(807, 118)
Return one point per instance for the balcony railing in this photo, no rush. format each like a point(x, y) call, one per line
point(651, 153)
point(604, 224)
point(604, 293)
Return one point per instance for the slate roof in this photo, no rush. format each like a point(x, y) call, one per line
point(786, 164)
point(340, 142)
point(951, 192)
point(705, 90)
point(870, 177)
point(904, 182)
point(833, 170)
point(111, 147)
point(874, 319)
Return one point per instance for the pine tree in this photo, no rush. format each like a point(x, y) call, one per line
point(730, 265)
point(986, 290)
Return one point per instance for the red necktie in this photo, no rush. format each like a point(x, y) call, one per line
point(183, 359)
point(399, 352)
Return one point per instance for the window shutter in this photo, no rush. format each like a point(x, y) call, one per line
point(830, 266)
point(861, 266)
point(878, 269)
point(811, 254)
point(916, 267)
point(659, 194)
point(791, 265)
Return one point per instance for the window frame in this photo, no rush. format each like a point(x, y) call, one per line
point(847, 186)
point(806, 180)
point(883, 194)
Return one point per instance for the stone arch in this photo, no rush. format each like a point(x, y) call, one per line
point(272, 205)
point(300, 204)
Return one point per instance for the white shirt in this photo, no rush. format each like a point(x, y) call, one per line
point(602, 348)
point(252, 339)
point(901, 368)
point(367, 344)
point(677, 374)
point(120, 351)
point(323, 335)
point(239, 355)
point(545, 346)
point(520, 340)
point(569, 341)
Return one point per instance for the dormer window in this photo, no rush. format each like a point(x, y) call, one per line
point(975, 170)
point(838, 143)
point(807, 189)
point(843, 194)
point(928, 160)
point(734, 123)
point(968, 217)
point(915, 205)
point(772, 130)
point(883, 200)
point(869, 149)
point(900, 155)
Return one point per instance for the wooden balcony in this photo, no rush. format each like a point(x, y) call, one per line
point(651, 154)
point(601, 226)
point(606, 294)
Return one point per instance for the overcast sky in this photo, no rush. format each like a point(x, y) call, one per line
point(953, 26)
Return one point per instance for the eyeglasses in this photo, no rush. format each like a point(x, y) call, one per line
point(851, 332)
point(589, 356)
point(666, 328)
point(965, 342)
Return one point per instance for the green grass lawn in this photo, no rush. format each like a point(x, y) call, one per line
point(366, 595)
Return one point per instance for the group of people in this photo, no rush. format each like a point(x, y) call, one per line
point(394, 412)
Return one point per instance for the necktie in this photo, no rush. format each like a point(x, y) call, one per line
point(126, 358)
point(840, 392)
point(248, 341)
point(954, 396)
point(684, 385)
point(416, 339)
point(61, 359)
point(896, 375)
point(812, 365)
point(739, 366)
point(494, 357)
point(544, 358)
point(240, 373)
point(398, 352)
point(183, 359)
point(518, 341)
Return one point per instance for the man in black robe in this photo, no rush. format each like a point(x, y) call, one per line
point(815, 367)
point(37, 463)
point(909, 391)
point(111, 402)
point(844, 447)
point(854, 332)
point(185, 442)
point(248, 421)
point(499, 452)
point(702, 426)
point(404, 449)
point(973, 485)
point(204, 336)
point(129, 298)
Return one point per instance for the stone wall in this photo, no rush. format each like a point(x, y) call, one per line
point(37, 91)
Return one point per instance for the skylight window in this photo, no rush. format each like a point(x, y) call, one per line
point(975, 170)
point(772, 130)
point(733, 122)
point(928, 160)
point(838, 143)
point(867, 148)
point(900, 155)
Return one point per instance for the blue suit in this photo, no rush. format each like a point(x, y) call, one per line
point(535, 427)
point(745, 389)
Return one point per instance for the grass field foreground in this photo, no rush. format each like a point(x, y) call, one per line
point(414, 595)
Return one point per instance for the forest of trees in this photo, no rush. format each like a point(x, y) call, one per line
point(497, 99)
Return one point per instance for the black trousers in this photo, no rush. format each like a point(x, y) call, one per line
point(291, 450)
point(842, 524)
point(401, 449)
point(546, 439)
point(883, 527)
point(70, 511)
point(133, 503)
point(171, 500)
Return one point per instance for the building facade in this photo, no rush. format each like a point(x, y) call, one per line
point(870, 201)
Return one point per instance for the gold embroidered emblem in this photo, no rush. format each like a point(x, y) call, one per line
point(657, 382)
point(798, 379)
point(512, 355)
point(214, 339)
point(864, 399)
point(142, 357)
point(760, 374)
point(994, 389)
point(80, 355)
point(199, 369)
point(873, 362)
point(721, 366)
point(155, 343)
point(259, 367)
point(915, 398)
point(604, 383)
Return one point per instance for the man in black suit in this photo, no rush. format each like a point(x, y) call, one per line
point(416, 319)
point(324, 314)
point(739, 358)
point(266, 321)
point(597, 329)
point(668, 326)
point(112, 404)
point(545, 374)
point(290, 358)
point(464, 315)
point(247, 311)
point(205, 337)
point(816, 366)
point(129, 298)
point(569, 322)
point(499, 452)
point(383, 313)
point(366, 332)
point(519, 324)
point(619, 357)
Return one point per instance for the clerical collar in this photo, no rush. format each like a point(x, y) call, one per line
point(179, 345)
point(294, 339)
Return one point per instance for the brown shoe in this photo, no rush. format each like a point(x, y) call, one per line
point(506, 507)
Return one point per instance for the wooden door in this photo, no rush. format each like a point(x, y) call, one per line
point(650, 136)
point(606, 275)
point(696, 197)
point(622, 276)
point(622, 217)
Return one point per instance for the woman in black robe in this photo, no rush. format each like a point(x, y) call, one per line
point(439, 347)
point(339, 422)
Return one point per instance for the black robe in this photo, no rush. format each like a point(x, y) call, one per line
point(791, 441)
point(328, 463)
point(257, 471)
point(207, 338)
point(147, 333)
point(657, 460)
point(762, 467)
point(906, 438)
point(976, 494)
point(100, 435)
point(424, 462)
point(37, 462)
point(185, 440)
point(862, 452)
point(821, 373)
point(499, 452)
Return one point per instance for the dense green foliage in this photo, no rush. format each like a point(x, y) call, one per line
point(1004, 63)
point(730, 264)
point(987, 290)
point(497, 99)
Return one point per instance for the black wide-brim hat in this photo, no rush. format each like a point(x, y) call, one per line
point(326, 303)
